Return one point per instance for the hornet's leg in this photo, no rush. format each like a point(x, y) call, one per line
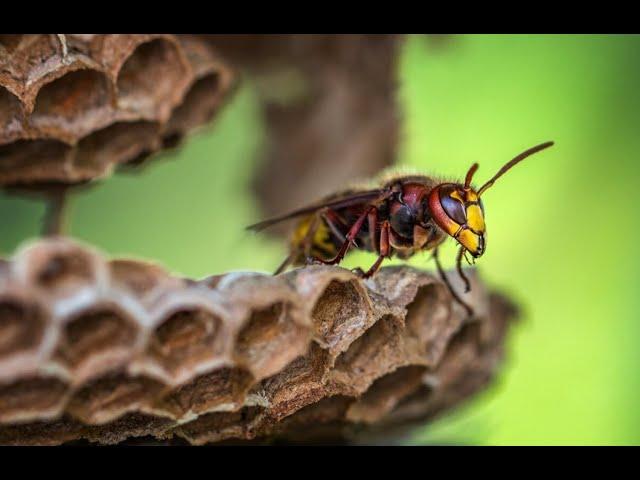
point(385, 250)
point(444, 278)
point(372, 218)
point(373, 226)
point(467, 284)
point(330, 219)
point(351, 236)
point(286, 262)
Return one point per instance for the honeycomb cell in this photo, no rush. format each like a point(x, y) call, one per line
point(429, 321)
point(140, 278)
point(22, 326)
point(11, 117)
point(300, 383)
point(34, 161)
point(96, 340)
point(148, 79)
point(58, 268)
point(199, 106)
point(385, 393)
point(119, 143)
point(375, 353)
point(334, 318)
point(33, 398)
point(73, 105)
point(223, 389)
point(186, 338)
point(218, 426)
point(270, 339)
point(109, 397)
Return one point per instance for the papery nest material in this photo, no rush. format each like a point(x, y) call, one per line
point(73, 107)
point(106, 350)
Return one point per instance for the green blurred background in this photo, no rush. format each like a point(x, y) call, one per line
point(562, 225)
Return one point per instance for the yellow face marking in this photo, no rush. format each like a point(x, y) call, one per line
point(471, 196)
point(473, 212)
point(469, 240)
point(457, 196)
point(475, 218)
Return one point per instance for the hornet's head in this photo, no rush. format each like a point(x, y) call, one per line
point(458, 210)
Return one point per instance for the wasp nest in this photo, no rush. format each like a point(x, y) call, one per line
point(73, 107)
point(107, 350)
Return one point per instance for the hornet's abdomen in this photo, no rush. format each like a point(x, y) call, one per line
point(322, 244)
point(325, 238)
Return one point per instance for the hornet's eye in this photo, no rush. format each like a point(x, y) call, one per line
point(453, 207)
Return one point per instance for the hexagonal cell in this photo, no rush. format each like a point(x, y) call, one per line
point(301, 382)
point(73, 105)
point(109, 397)
point(34, 161)
point(22, 326)
point(11, 116)
point(118, 143)
point(33, 60)
point(222, 389)
point(309, 424)
point(198, 107)
point(270, 339)
point(375, 353)
point(385, 393)
point(140, 278)
point(340, 314)
point(147, 81)
point(429, 321)
point(214, 427)
point(59, 268)
point(96, 340)
point(31, 399)
point(463, 369)
point(465, 365)
point(186, 338)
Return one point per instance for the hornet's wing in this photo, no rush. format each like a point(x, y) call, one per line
point(349, 200)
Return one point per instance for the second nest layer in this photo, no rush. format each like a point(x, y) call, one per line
point(73, 107)
point(105, 350)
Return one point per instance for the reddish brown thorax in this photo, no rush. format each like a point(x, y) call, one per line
point(412, 195)
point(408, 218)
